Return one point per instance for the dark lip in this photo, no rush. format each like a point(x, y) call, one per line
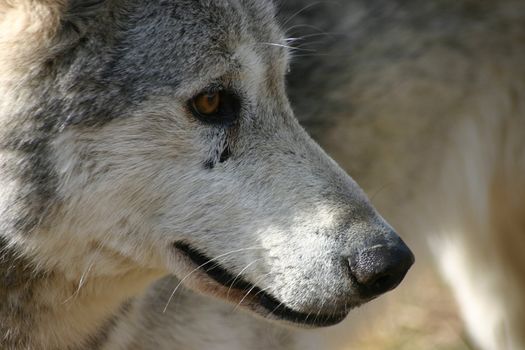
point(271, 304)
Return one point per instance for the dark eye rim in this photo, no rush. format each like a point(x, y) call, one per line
point(227, 113)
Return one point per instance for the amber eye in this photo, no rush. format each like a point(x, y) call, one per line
point(215, 107)
point(207, 103)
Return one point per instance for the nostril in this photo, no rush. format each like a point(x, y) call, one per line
point(381, 282)
point(380, 268)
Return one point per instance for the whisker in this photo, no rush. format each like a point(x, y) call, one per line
point(319, 55)
point(278, 306)
point(262, 290)
point(380, 190)
point(239, 274)
point(293, 48)
point(304, 25)
point(319, 311)
point(85, 274)
point(249, 291)
point(307, 316)
point(297, 13)
point(312, 35)
point(201, 266)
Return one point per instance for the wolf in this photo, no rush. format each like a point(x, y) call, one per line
point(423, 102)
point(144, 139)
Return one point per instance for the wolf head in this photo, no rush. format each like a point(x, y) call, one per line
point(158, 135)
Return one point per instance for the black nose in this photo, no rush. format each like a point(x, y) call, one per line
point(380, 268)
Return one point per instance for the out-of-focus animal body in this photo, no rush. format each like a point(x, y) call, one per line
point(423, 102)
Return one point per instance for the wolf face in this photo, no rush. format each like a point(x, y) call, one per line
point(169, 144)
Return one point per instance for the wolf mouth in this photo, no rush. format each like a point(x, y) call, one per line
point(272, 306)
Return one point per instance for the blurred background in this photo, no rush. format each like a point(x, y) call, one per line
point(420, 314)
point(423, 104)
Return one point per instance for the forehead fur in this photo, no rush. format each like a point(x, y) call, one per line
point(62, 22)
point(134, 49)
point(174, 42)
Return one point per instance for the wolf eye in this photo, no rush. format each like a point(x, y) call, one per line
point(216, 107)
point(207, 103)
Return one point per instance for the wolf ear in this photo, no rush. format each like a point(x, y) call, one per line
point(44, 17)
point(31, 28)
point(22, 21)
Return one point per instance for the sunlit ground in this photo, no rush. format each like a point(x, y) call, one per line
point(419, 315)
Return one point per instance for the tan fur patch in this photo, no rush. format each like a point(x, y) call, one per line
point(26, 28)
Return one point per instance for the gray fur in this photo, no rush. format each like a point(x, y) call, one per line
point(104, 171)
point(422, 102)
